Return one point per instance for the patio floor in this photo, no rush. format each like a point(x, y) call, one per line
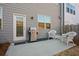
point(41, 48)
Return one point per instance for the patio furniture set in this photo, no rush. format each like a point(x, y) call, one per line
point(66, 38)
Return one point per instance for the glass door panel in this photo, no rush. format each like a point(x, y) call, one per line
point(19, 26)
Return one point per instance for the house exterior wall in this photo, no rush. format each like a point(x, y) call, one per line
point(28, 9)
point(71, 21)
point(6, 33)
point(69, 18)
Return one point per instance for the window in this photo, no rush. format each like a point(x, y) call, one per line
point(70, 8)
point(44, 22)
point(74, 12)
point(1, 18)
point(71, 11)
point(48, 25)
point(67, 10)
point(41, 25)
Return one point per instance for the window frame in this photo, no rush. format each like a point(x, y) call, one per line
point(1, 18)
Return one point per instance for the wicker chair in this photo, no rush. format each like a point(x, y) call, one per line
point(68, 37)
point(51, 34)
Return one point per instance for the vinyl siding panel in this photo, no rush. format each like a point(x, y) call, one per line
point(6, 32)
point(29, 9)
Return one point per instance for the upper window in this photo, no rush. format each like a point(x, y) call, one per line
point(71, 11)
point(70, 8)
point(74, 12)
point(0, 18)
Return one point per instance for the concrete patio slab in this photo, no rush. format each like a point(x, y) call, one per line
point(42, 48)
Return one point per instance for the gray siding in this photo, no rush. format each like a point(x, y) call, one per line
point(6, 32)
point(29, 10)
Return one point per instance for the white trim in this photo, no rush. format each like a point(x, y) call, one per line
point(1, 18)
point(14, 24)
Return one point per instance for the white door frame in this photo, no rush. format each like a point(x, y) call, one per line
point(15, 39)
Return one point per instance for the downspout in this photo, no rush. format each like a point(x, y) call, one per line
point(61, 18)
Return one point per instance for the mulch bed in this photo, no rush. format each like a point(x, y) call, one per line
point(74, 51)
point(3, 48)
